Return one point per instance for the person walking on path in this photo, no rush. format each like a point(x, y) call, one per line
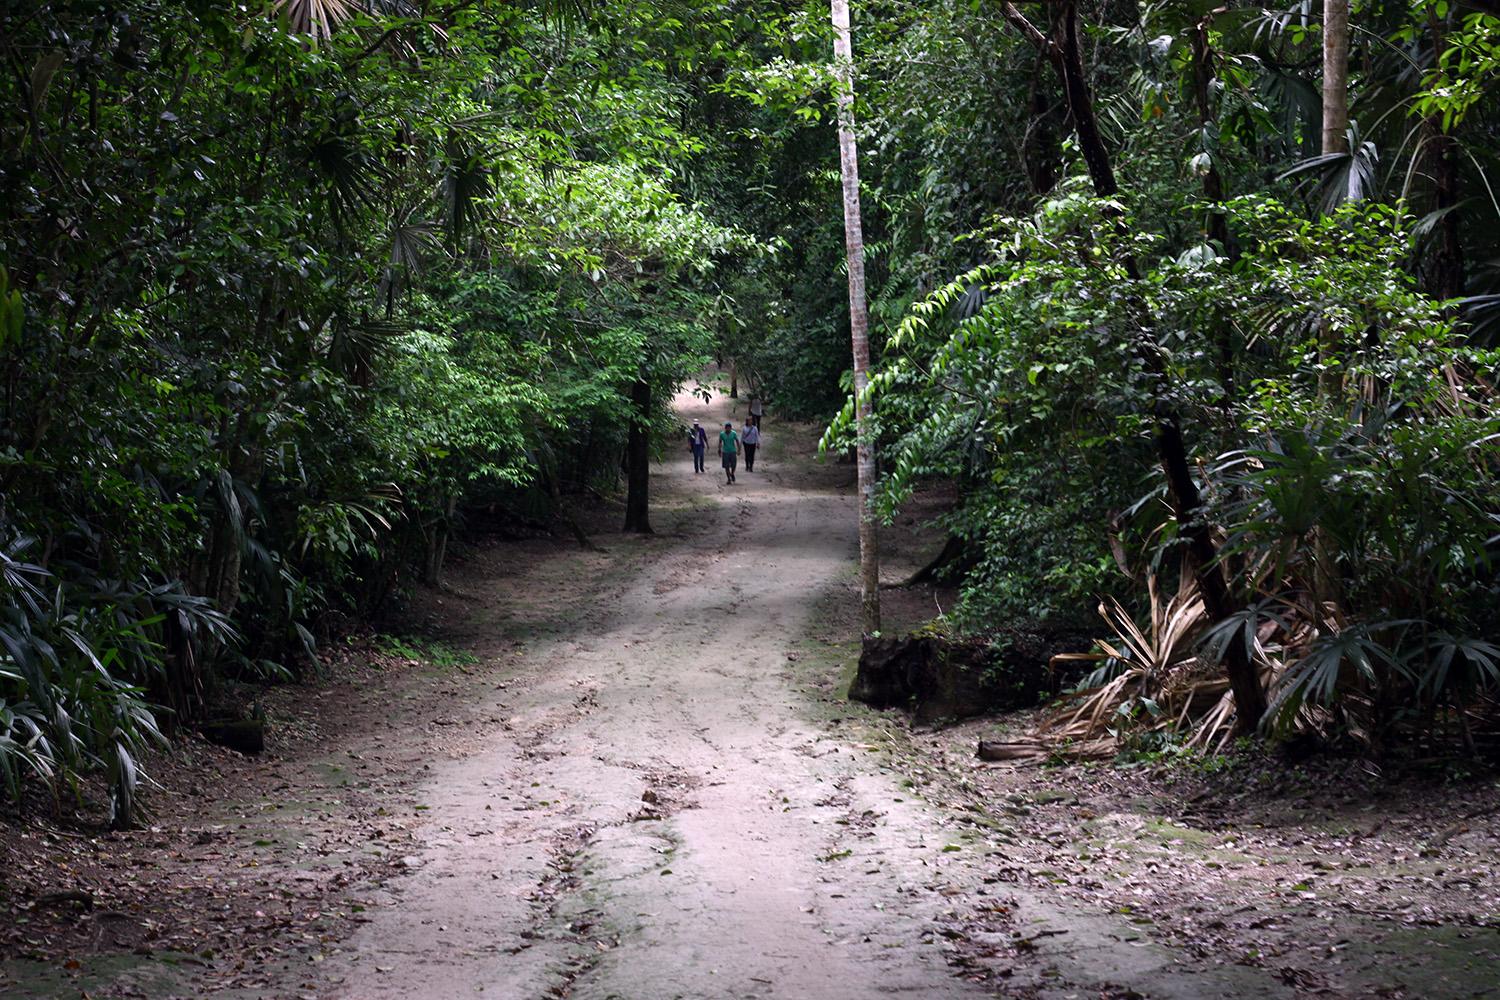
point(698, 441)
point(750, 438)
point(757, 410)
point(729, 451)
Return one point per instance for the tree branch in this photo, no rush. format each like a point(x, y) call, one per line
point(1020, 22)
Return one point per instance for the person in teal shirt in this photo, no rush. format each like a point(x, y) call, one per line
point(729, 451)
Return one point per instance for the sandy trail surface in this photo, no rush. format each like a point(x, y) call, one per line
point(661, 816)
point(661, 819)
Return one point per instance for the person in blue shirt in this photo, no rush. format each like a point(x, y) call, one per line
point(698, 441)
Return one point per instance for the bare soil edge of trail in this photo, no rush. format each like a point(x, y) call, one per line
point(1335, 877)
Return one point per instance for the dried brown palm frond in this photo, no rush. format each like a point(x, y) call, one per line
point(1090, 711)
point(1156, 666)
point(1164, 675)
point(404, 24)
point(1138, 663)
point(318, 18)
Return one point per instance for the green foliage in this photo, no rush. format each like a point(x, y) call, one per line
point(1459, 81)
point(284, 298)
point(1380, 496)
point(1338, 410)
point(81, 656)
point(436, 653)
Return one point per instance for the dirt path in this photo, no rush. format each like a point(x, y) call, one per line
point(661, 819)
point(648, 787)
point(661, 816)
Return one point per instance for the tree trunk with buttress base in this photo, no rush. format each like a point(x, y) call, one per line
point(638, 460)
point(1065, 54)
point(859, 320)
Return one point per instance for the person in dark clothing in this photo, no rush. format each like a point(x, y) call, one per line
point(698, 441)
point(750, 438)
point(729, 451)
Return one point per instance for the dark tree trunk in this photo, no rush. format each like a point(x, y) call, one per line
point(1244, 679)
point(955, 557)
point(437, 544)
point(1445, 278)
point(1063, 50)
point(1041, 150)
point(1217, 227)
point(1447, 272)
point(1069, 64)
point(638, 460)
point(1213, 181)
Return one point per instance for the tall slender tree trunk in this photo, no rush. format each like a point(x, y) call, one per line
point(1325, 582)
point(859, 320)
point(1446, 270)
point(437, 544)
point(638, 460)
point(1217, 226)
point(1041, 149)
point(1213, 181)
point(1335, 140)
point(1335, 76)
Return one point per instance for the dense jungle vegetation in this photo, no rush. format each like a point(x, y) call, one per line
point(1179, 297)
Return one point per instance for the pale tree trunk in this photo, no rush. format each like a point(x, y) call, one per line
point(1335, 76)
point(1335, 140)
point(1331, 378)
point(859, 320)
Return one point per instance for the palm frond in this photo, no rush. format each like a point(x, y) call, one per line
point(318, 18)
